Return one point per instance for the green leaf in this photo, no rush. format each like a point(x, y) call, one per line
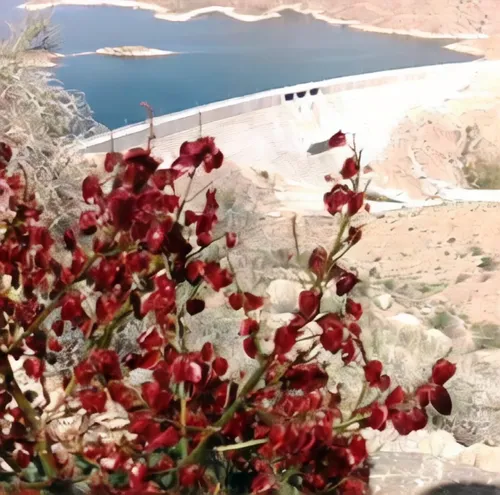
point(118, 479)
point(85, 466)
point(167, 480)
point(154, 459)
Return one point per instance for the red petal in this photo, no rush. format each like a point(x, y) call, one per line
point(91, 189)
point(54, 345)
point(216, 276)
point(154, 238)
point(168, 438)
point(317, 261)
point(422, 394)
point(251, 302)
point(220, 366)
point(441, 400)
point(358, 449)
point(250, 347)
point(231, 239)
point(337, 140)
point(348, 351)
point(309, 303)
point(195, 270)
point(284, 339)
point(331, 340)
point(112, 159)
point(34, 367)
point(248, 327)
point(442, 371)
point(69, 240)
point(354, 309)
point(378, 417)
point(211, 162)
point(207, 352)
point(88, 222)
point(93, 401)
point(373, 370)
point(236, 300)
point(5, 154)
point(150, 339)
point(346, 283)
point(337, 198)
point(396, 397)
point(355, 203)
point(350, 168)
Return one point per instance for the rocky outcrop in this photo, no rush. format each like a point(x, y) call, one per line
point(133, 51)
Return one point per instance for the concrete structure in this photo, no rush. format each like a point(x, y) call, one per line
point(285, 130)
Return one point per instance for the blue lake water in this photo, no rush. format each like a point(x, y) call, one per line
point(218, 58)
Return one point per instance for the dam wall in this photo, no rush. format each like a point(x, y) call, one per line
point(285, 130)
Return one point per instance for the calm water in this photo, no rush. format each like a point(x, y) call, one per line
point(218, 57)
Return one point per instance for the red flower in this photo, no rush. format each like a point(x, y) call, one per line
point(88, 222)
point(355, 203)
point(337, 140)
point(107, 363)
point(249, 347)
point(71, 308)
point(5, 154)
point(216, 276)
point(193, 154)
point(264, 483)
point(346, 283)
point(350, 168)
point(91, 189)
point(112, 159)
point(309, 304)
point(333, 332)
point(374, 377)
point(354, 309)
point(245, 300)
point(306, 377)
point(337, 198)
point(185, 369)
point(150, 339)
point(190, 475)
point(220, 366)
point(93, 401)
point(34, 368)
point(317, 261)
point(231, 239)
point(168, 438)
point(442, 371)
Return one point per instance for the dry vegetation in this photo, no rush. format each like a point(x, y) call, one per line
point(40, 118)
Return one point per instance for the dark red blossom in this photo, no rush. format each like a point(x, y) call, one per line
point(309, 301)
point(34, 368)
point(91, 189)
point(374, 377)
point(93, 401)
point(355, 203)
point(317, 261)
point(5, 154)
point(231, 239)
point(354, 309)
point(346, 283)
point(245, 300)
point(350, 168)
point(337, 198)
point(306, 377)
point(193, 153)
point(337, 140)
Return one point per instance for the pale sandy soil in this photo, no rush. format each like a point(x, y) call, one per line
point(457, 19)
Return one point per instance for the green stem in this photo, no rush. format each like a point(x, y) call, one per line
point(349, 422)
point(42, 446)
point(252, 382)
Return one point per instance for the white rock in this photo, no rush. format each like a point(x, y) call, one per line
point(284, 296)
point(406, 319)
point(426, 310)
point(482, 456)
point(384, 301)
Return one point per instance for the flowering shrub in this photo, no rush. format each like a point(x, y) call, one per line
point(192, 428)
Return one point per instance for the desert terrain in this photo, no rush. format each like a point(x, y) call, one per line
point(471, 20)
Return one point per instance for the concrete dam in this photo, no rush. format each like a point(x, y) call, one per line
point(285, 131)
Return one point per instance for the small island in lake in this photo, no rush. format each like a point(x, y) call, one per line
point(133, 51)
